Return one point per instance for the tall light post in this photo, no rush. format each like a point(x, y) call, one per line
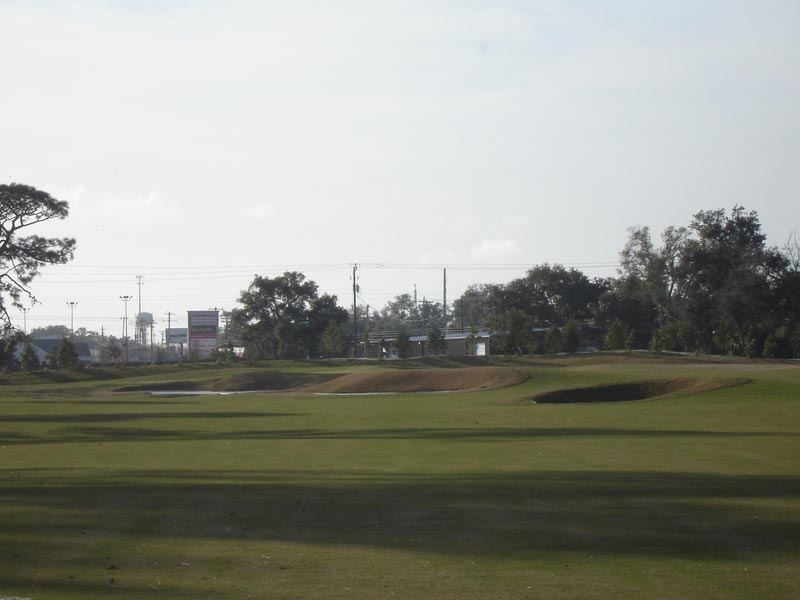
point(72, 305)
point(125, 300)
point(25, 320)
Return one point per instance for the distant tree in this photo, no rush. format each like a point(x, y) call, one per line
point(111, 352)
point(403, 343)
point(30, 360)
point(21, 258)
point(656, 345)
point(547, 295)
point(64, 356)
point(471, 308)
point(332, 339)
point(9, 340)
point(630, 340)
point(471, 341)
point(553, 342)
point(512, 331)
point(570, 337)
point(50, 331)
point(795, 343)
point(615, 336)
point(320, 313)
point(436, 341)
point(365, 343)
point(770, 347)
point(731, 279)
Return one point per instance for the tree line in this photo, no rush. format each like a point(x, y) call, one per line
point(712, 286)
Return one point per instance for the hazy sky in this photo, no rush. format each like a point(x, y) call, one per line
point(199, 143)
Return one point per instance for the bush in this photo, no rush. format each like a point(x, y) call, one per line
point(570, 337)
point(615, 337)
point(403, 343)
point(553, 342)
point(436, 341)
point(656, 345)
point(30, 360)
point(63, 356)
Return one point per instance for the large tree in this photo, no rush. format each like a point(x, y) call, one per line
point(714, 286)
point(21, 257)
point(282, 317)
point(730, 280)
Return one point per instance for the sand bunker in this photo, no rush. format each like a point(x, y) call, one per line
point(422, 380)
point(639, 390)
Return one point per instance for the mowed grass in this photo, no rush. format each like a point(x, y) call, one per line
point(478, 494)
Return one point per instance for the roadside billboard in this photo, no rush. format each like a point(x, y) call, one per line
point(203, 332)
point(177, 335)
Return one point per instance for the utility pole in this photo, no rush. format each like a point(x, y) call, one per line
point(139, 327)
point(152, 336)
point(355, 313)
point(444, 294)
point(125, 300)
point(72, 305)
point(225, 317)
point(25, 320)
point(462, 314)
point(169, 328)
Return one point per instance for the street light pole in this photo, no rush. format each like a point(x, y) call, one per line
point(25, 320)
point(125, 300)
point(72, 305)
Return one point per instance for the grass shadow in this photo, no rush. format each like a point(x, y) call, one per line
point(687, 515)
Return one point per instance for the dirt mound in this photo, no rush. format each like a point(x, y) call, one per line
point(243, 382)
point(638, 390)
point(163, 386)
point(269, 380)
point(422, 380)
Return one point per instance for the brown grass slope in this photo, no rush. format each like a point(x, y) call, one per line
point(423, 380)
point(261, 380)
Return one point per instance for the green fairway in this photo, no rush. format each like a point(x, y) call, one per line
point(471, 494)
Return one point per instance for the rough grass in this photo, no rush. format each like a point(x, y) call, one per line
point(471, 495)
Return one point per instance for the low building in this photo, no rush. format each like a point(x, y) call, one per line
point(43, 346)
point(459, 343)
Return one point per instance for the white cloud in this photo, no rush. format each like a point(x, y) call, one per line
point(437, 257)
point(460, 222)
point(512, 221)
point(262, 211)
point(493, 249)
point(143, 207)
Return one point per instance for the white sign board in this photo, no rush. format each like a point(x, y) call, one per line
point(203, 332)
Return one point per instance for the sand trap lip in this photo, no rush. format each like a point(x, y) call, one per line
point(384, 393)
point(205, 392)
point(632, 391)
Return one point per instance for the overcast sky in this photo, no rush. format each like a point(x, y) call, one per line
point(199, 143)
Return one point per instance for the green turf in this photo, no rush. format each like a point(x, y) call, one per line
point(456, 495)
